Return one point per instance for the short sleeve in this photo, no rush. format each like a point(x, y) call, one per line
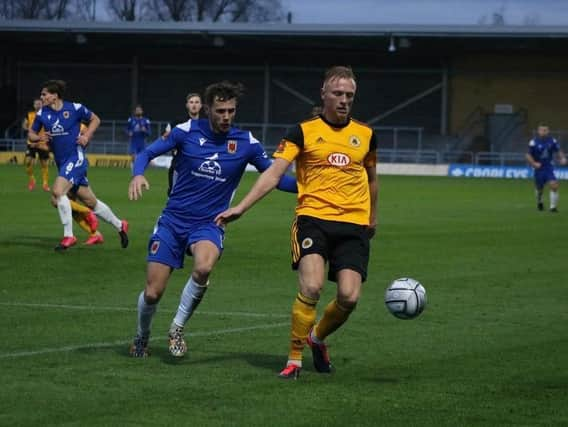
point(291, 145)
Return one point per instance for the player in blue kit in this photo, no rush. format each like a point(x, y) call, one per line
point(138, 129)
point(212, 157)
point(61, 121)
point(542, 150)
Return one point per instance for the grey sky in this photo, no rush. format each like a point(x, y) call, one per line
point(516, 12)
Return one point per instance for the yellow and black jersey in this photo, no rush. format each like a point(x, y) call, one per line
point(331, 164)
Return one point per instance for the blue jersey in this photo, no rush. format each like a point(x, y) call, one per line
point(542, 150)
point(208, 169)
point(138, 128)
point(64, 127)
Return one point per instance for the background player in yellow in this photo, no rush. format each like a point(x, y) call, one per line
point(336, 213)
point(36, 149)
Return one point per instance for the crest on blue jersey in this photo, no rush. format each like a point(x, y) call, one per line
point(66, 114)
point(232, 146)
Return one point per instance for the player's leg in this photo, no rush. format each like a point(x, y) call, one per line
point(539, 183)
point(157, 276)
point(29, 165)
point(348, 261)
point(335, 315)
point(206, 245)
point(59, 199)
point(44, 163)
point(103, 211)
point(308, 257)
point(554, 195)
point(165, 252)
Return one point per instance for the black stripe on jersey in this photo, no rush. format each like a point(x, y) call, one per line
point(373, 142)
point(295, 136)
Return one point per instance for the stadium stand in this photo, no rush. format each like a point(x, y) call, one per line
point(442, 90)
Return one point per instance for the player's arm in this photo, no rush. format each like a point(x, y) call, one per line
point(34, 136)
point(25, 124)
point(261, 162)
point(370, 163)
point(559, 153)
point(158, 147)
point(532, 161)
point(286, 152)
point(267, 181)
point(530, 155)
point(93, 123)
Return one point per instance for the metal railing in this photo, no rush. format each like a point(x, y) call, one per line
point(385, 155)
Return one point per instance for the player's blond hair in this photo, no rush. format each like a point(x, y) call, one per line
point(338, 72)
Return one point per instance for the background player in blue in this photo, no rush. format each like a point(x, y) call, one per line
point(138, 129)
point(542, 150)
point(212, 157)
point(61, 121)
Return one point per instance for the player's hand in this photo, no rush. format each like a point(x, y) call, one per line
point(167, 131)
point(136, 185)
point(82, 140)
point(372, 228)
point(537, 165)
point(563, 161)
point(44, 138)
point(227, 216)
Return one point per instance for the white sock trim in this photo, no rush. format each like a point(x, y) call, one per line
point(65, 215)
point(103, 211)
point(554, 196)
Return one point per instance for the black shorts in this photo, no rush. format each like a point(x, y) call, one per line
point(32, 152)
point(344, 245)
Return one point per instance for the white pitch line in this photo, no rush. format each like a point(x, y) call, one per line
point(117, 343)
point(133, 309)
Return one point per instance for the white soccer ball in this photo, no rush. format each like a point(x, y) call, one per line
point(405, 298)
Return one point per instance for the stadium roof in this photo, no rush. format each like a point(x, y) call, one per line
point(282, 29)
point(284, 41)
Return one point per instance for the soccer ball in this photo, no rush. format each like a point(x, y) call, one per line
point(405, 298)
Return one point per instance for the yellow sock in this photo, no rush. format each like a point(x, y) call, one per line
point(45, 173)
point(30, 171)
point(80, 219)
point(78, 207)
point(303, 318)
point(334, 316)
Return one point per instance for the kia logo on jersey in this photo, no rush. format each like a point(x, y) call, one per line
point(338, 159)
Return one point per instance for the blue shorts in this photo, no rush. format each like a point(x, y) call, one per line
point(542, 176)
point(168, 247)
point(74, 170)
point(136, 147)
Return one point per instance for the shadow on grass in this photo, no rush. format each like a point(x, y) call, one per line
point(29, 241)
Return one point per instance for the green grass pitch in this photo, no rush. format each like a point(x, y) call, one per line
point(491, 348)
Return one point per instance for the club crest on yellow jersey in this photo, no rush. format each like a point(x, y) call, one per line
point(354, 141)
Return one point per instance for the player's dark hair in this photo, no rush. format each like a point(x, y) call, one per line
point(542, 124)
point(192, 95)
point(55, 86)
point(338, 72)
point(223, 91)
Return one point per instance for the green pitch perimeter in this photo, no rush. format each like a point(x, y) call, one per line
point(491, 349)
